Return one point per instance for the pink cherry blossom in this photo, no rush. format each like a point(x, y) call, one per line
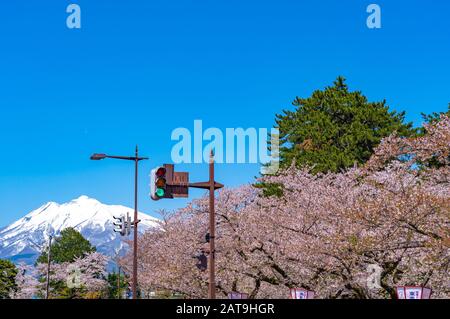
point(323, 234)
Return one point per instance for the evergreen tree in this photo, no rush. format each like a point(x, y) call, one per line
point(8, 272)
point(433, 117)
point(66, 247)
point(335, 128)
point(116, 291)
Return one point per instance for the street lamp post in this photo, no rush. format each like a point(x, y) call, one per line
point(136, 160)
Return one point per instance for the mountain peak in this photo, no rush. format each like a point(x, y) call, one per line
point(83, 199)
point(92, 218)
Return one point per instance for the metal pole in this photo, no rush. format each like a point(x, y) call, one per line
point(136, 159)
point(48, 266)
point(212, 227)
point(135, 226)
point(118, 285)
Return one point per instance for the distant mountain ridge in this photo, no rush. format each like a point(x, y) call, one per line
point(24, 239)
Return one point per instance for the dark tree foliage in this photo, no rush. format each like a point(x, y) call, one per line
point(116, 287)
point(433, 117)
point(8, 273)
point(335, 128)
point(67, 247)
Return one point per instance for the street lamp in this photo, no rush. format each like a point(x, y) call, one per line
point(136, 159)
point(97, 157)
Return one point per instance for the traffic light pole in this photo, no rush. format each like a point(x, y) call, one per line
point(212, 227)
point(212, 186)
point(136, 221)
point(178, 183)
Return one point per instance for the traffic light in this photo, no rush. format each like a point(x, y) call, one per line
point(128, 225)
point(158, 183)
point(120, 225)
point(166, 183)
point(123, 225)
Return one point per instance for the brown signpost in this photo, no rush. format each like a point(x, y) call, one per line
point(177, 182)
point(178, 187)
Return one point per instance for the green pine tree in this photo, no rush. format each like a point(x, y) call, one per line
point(67, 247)
point(116, 291)
point(8, 272)
point(433, 117)
point(335, 128)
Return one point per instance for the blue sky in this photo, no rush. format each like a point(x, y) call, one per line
point(65, 94)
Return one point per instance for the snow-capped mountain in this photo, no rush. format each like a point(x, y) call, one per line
point(24, 239)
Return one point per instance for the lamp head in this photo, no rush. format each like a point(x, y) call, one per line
point(98, 157)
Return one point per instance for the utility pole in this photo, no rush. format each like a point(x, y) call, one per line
point(48, 266)
point(212, 230)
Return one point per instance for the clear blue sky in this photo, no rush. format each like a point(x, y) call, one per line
point(67, 93)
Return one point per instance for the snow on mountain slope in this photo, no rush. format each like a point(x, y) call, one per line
point(24, 239)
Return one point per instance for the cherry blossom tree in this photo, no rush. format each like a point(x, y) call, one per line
point(325, 233)
point(27, 284)
point(83, 278)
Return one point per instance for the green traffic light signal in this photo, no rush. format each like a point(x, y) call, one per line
point(160, 192)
